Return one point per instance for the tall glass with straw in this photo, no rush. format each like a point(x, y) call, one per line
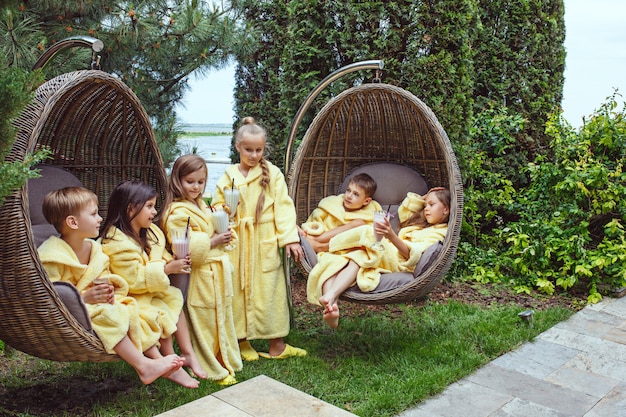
point(218, 217)
point(231, 198)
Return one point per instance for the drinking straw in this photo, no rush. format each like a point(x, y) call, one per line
point(388, 208)
point(187, 228)
point(232, 187)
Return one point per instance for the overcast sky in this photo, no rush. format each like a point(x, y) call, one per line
point(595, 65)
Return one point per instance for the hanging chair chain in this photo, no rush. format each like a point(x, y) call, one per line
point(95, 61)
point(376, 79)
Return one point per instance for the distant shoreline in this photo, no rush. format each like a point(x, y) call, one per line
point(209, 129)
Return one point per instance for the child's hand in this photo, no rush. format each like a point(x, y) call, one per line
point(295, 250)
point(221, 238)
point(383, 229)
point(178, 266)
point(99, 294)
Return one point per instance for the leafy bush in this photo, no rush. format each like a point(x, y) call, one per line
point(566, 225)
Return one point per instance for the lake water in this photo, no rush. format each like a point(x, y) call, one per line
point(214, 149)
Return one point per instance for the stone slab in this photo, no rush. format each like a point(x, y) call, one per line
point(516, 384)
point(537, 359)
point(260, 396)
point(263, 396)
point(461, 399)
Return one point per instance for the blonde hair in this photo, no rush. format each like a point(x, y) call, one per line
point(184, 166)
point(68, 201)
point(418, 219)
point(249, 127)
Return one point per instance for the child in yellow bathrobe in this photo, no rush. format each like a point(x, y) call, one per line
point(137, 251)
point(209, 303)
point(265, 222)
point(338, 213)
point(424, 221)
point(76, 258)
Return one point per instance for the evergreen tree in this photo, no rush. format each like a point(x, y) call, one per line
point(153, 45)
point(425, 47)
point(519, 65)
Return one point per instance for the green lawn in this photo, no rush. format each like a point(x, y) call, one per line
point(376, 364)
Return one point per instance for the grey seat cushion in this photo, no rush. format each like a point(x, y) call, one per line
point(51, 178)
point(74, 302)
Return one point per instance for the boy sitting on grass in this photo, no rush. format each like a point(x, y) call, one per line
point(79, 260)
point(338, 213)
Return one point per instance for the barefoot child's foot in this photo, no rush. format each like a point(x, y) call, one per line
point(155, 368)
point(191, 361)
point(331, 316)
point(183, 378)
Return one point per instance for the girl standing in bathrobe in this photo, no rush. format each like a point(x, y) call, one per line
point(265, 223)
point(209, 302)
point(136, 248)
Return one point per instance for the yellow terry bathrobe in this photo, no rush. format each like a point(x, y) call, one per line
point(355, 244)
point(330, 214)
point(111, 322)
point(209, 302)
point(159, 303)
point(260, 305)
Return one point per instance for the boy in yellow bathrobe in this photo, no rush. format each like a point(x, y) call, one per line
point(338, 213)
point(79, 260)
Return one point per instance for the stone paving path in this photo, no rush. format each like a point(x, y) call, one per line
point(576, 368)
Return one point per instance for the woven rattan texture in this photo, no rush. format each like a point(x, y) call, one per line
point(98, 130)
point(377, 123)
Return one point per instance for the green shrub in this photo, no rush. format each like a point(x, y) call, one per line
point(568, 222)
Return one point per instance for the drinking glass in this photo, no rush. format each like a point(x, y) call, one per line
point(379, 217)
point(180, 242)
point(231, 198)
point(221, 224)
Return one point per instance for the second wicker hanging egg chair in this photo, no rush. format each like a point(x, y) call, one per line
point(391, 134)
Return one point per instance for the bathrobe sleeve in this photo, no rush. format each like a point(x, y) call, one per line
point(284, 210)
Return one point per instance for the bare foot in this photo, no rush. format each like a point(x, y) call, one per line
point(183, 378)
point(331, 316)
point(191, 361)
point(159, 367)
point(326, 301)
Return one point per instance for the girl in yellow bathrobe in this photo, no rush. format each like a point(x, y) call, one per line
point(265, 222)
point(76, 258)
point(137, 251)
point(424, 221)
point(209, 302)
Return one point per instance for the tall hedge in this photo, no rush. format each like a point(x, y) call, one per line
point(425, 46)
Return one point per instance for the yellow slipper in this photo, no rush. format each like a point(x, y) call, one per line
point(247, 351)
point(229, 380)
point(289, 352)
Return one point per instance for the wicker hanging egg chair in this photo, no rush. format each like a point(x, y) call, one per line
point(99, 133)
point(385, 127)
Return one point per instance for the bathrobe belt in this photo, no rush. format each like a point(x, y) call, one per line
point(248, 263)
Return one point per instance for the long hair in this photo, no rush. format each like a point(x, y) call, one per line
point(418, 219)
point(250, 128)
point(184, 166)
point(129, 196)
